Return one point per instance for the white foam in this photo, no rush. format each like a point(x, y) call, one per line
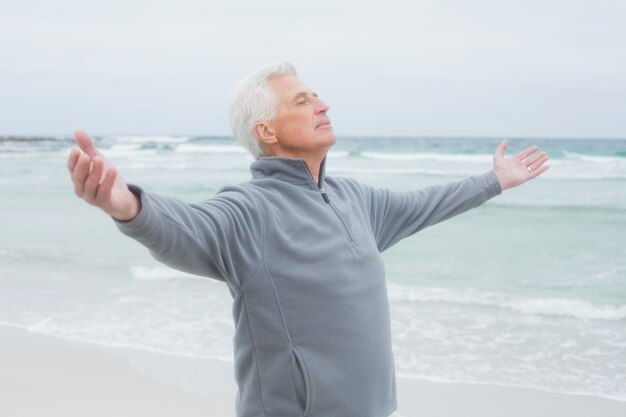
point(8, 253)
point(148, 139)
point(400, 171)
point(588, 167)
point(570, 308)
point(531, 306)
point(438, 157)
point(161, 166)
point(596, 159)
point(338, 154)
point(158, 273)
point(193, 148)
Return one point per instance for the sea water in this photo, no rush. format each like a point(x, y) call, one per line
point(528, 290)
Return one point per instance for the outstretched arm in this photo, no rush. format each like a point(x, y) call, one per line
point(97, 182)
point(516, 170)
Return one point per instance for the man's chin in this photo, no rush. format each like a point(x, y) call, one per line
point(331, 142)
point(331, 137)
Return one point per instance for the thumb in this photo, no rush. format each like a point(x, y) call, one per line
point(85, 143)
point(501, 150)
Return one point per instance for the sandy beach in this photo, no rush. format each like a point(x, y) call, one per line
point(46, 376)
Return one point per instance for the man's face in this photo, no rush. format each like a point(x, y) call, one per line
point(301, 124)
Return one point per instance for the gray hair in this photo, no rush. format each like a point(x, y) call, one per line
point(253, 100)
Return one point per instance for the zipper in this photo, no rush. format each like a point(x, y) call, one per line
point(324, 195)
point(345, 226)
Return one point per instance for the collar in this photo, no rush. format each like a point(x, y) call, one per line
point(291, 170)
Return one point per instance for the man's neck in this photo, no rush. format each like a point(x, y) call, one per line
point(313, 162)
point(314, 165)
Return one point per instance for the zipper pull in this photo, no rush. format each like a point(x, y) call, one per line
point(324, 195)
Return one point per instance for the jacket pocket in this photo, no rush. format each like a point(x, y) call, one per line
point(301, 381)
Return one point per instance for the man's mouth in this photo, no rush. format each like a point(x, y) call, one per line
point(324, 123)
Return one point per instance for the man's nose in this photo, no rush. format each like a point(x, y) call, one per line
point(321, 107)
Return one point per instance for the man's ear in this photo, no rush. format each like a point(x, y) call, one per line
point(265, 133)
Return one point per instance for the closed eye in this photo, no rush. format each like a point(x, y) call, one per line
point(303, 97)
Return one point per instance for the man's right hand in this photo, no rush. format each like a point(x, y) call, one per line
point(96, 181)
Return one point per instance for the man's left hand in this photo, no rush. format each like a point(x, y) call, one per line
point(524, 166)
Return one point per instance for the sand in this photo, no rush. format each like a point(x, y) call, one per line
point(46, 376)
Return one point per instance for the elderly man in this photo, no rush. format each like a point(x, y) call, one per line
point(299, 251)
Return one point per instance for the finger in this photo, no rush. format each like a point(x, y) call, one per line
point(73, 158)
point(79, 175)
point(104, 190)
point(93, 180)
point(538, 162)
point(539, 171)
point(501, 150)
point(526, 152)
point(534, 158)
point(86, 144)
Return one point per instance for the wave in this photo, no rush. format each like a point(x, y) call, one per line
point(41, 327)
point(126, 149)
point(164, 166)
point(426, 156)
point(31, 255)
point(399, 171)
point(588, 167)
point(563, 307)
point(339, 154)
point(148, 139)
point(9, 254)
point(158, 273)
point(596, 159)
point(559, 169)
point(225, 149)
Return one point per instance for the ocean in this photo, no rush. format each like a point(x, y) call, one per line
point(527, 290)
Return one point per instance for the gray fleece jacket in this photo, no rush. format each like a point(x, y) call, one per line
point(303, 264)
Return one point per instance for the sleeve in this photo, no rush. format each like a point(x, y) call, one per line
point(220, 238)
point(396, 215)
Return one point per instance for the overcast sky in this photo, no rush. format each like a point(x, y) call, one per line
point(502, 68)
